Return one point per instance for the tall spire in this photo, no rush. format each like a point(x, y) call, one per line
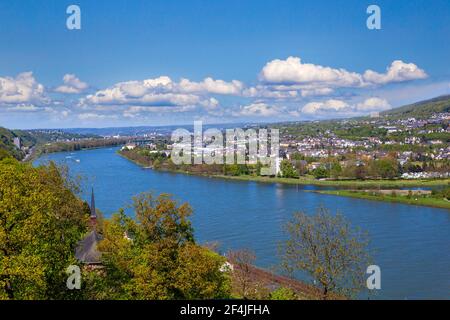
point(93, 212)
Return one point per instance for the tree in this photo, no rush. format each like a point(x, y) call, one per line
point(287, 169)
point(41, 221)
point(336, 169)
point(325, 247)
point(283, 293)
point(245, 285)
point(387, 168)
point(4, 154)
point(320, 173)
point(356, 170)
point(242, 273)
point(154, 256)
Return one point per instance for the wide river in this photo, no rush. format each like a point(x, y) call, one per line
point(412, 243)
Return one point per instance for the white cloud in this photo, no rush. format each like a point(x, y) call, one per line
point(269, 92)
point(259, 110)
point(24, 108)
point(293, 71)
point(331, 105)
point(22, 89)
point(336, 107)
point(72, 85)
point(398, 71)
point(316, 92)
point(163, 92)
point(313, 79)
point(209, 85)
point(373, 104)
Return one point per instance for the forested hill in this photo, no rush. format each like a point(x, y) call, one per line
point(421, 109)
point(7, 144)
point(31, 138)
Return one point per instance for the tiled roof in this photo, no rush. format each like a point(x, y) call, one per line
point(86, 251)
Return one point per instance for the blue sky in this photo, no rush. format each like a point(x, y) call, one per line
point(170, 62)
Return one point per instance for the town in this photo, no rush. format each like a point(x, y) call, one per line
point(369, 148)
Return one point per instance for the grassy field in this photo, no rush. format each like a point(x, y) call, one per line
point(414, 200)
point(349, 184)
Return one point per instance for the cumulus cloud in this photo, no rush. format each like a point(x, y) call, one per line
point(210, 85)
point(21, 89)
point(373, 104)
point(72, 84)
point(258, 110)
point(331, 105)
point(336, 107)
point(261, 91)
point(398, 71)
point(163, 92)
point(293, 71)
point(313, 79)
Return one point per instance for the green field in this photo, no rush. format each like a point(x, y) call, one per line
point(353, 184)
point(415, 200)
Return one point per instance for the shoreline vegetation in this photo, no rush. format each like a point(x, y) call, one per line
point(346, 187)
point(66, 146)
point(394, 196)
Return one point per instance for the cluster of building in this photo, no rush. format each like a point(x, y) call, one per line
point(399, 134)
point(328, 144)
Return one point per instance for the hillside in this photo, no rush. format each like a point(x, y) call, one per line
point(6, 143)
point(32, 138)
point(421, 109)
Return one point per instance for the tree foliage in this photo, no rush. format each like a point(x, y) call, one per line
point(329, 250)
point(287, 169)
point(41, 221)
point(154, 256)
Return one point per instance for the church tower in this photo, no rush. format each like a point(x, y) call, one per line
point(93, 211)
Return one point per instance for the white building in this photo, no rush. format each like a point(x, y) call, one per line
point(17, 142)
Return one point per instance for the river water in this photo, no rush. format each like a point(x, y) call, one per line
point(412, 243)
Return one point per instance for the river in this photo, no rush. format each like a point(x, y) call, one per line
point(412, 243)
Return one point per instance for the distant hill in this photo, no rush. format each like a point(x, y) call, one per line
point(7, 144)
point(421, 109)
point(31, 138)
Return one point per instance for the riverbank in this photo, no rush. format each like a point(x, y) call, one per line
point(71, 146)
point(344, 184)
point(377, 186)
point(395, 197)
point(353, 184)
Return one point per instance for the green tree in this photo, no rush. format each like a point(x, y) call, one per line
point(336, 170)
point(320, 173)
point(41, 221)
point(155, 257)
point(287, 169)
point(386, 168)
point(329, 250)
point(283, 293)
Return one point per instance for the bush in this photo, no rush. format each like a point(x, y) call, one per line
point(283, 293)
